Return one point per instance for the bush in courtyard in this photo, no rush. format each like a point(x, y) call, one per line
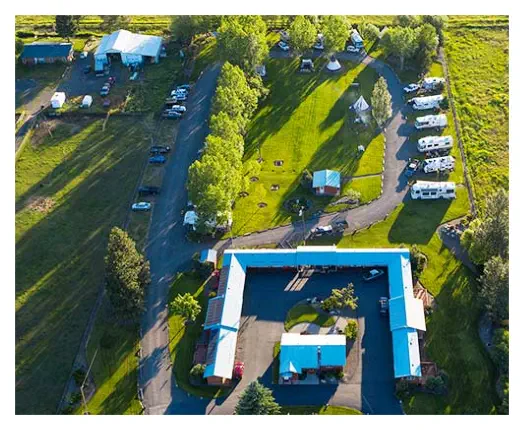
point(351, 330)
point(197, 372)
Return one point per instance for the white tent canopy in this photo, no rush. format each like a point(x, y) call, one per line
point(58, 100)
point(360, 105)
point(87, 101)
point(333, 65)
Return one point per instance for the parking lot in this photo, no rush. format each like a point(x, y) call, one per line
point(369, 385)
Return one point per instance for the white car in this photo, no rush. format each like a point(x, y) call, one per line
point(353, 49)
point(83, 55)
point(322, 229)
point(141, 206)
point(179, 97)
point(283, 45)
point(411, 88)
point(178, 108)
point(179, 92)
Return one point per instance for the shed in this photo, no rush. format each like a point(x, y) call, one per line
point(40, 53)
point(58, 100)
point(87, 101)
point(208, 256)
point(326, 183)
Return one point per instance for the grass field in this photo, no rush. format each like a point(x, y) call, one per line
point(319, 410)
point(304, 122)
point(307, 314)
point(452, 337)
point(478, 61)
point(71, 188)
point(184, 337)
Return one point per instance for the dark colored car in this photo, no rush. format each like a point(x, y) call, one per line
point(111, 80)
point(412, 167)
point(148, 190)
point(107, 103)
point(159, 149)
point(157, 159)
point(87, 69)
point(384, 305)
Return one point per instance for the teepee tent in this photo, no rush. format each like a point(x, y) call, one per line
point(333, 64)
point(360, 105)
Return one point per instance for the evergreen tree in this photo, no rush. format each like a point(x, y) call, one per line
point(127, 275)
point(186, 306)
point(381, 102)
point(66, 25)
point(369, 32)
point(302, 34)
point(494, 288)
point(257, 400)
point(112, 23)
point(402, 42)
point(335, 29)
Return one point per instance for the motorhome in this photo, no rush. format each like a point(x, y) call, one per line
point(431, 121)
point(439, 164)
point(425, 190)
point(429, 102)
point(432, 83)
point(432, 143)
point(356, 39)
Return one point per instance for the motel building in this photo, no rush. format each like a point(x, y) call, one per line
point(311, 353)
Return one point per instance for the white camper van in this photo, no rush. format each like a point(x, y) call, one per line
point(432, 143)
point(432, 83)
point(429, 102)
point(439, 164)
point(431, 121)
point(425, 190)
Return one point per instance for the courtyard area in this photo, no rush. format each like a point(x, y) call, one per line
point(368, 384)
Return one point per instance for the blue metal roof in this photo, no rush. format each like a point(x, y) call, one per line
point(46, 50)
point(208, 255)
point(326, 178)
point(406, 354)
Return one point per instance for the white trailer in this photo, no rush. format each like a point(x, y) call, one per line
point(432, 83)
point(356, 39)
point(426, 190)
point(432, 143)
point(428, 102)
point(431, 121)
point(439, 164)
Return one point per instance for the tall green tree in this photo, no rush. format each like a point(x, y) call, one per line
point(369, 32)
point(66, 26)
point(19, 46)
point(427, 44)
point(186, 306)
point(494, 288)
point(407, 20)
point(302, 34)
point(257, 400)
point(439, 22)
point(402, 42)
point(127, 275)
point(335, 29)
point(341, 298)
point(111, 23)
point(185, 27)
point(381, 102)
point(242, 41)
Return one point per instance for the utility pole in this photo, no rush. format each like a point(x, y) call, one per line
point(86, 412)
point(301, 213)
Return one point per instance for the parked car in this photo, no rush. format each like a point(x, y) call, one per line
point(179, 91)
point(172, 114)
point(141, 206)
point(322, 230)
point(159, 149)
point(111, 80)
point(146, 190)
point(412, 167)
point(157, 159)
point(373, 274)
point(180, 97)
point(87, 69)
point(184, 87)
point(105, 90)
point(283, 45)
point(411, 88)
point(352, 49)
point(83, 55)
point(178, 108)
point(384, 305)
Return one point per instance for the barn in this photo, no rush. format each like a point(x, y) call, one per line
point(326, 183)
point(129, 48)
point(42, 53)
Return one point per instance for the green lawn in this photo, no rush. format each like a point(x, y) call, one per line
point(71, 188)
point(307, 314)
point(184, 337)
point(452, 337)
point(478, 61)
point(305, 122)
point(319, 410)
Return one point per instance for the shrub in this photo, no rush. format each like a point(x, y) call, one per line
point(435, 384)
point(79, 375)
point(445, 104)
point(307, 179)
point(24, 34)
point(353, 195)
point(75, 398)
point(419, 261)
point(197, 372)
point(212, 294)
point(351, 330)
point(402, 388)
point(203, 270)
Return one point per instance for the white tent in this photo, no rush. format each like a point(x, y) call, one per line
point(333, 64)
point(190, 218)
point(360, 105)
point(87, 101)
point(58, 100)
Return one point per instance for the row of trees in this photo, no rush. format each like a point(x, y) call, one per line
point(215, 181)
point(66, 26)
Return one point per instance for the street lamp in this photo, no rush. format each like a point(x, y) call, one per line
point(301, 213)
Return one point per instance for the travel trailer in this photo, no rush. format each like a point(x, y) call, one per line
point(432, 143)
point(439, 164)
point(431, 121)
point(429, 102)
point(432, 83)
point(425, 190)
point(356, 39)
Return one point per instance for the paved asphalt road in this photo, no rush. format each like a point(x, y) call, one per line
point(169, 251)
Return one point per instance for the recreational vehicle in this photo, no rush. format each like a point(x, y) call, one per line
point(432, 83)
point(431, 121)
point(429, 102)
point(439, 164)
point(356, 39)
point(424, 190)
point(432, 143)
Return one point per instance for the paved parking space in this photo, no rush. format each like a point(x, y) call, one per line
point(369, 385)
